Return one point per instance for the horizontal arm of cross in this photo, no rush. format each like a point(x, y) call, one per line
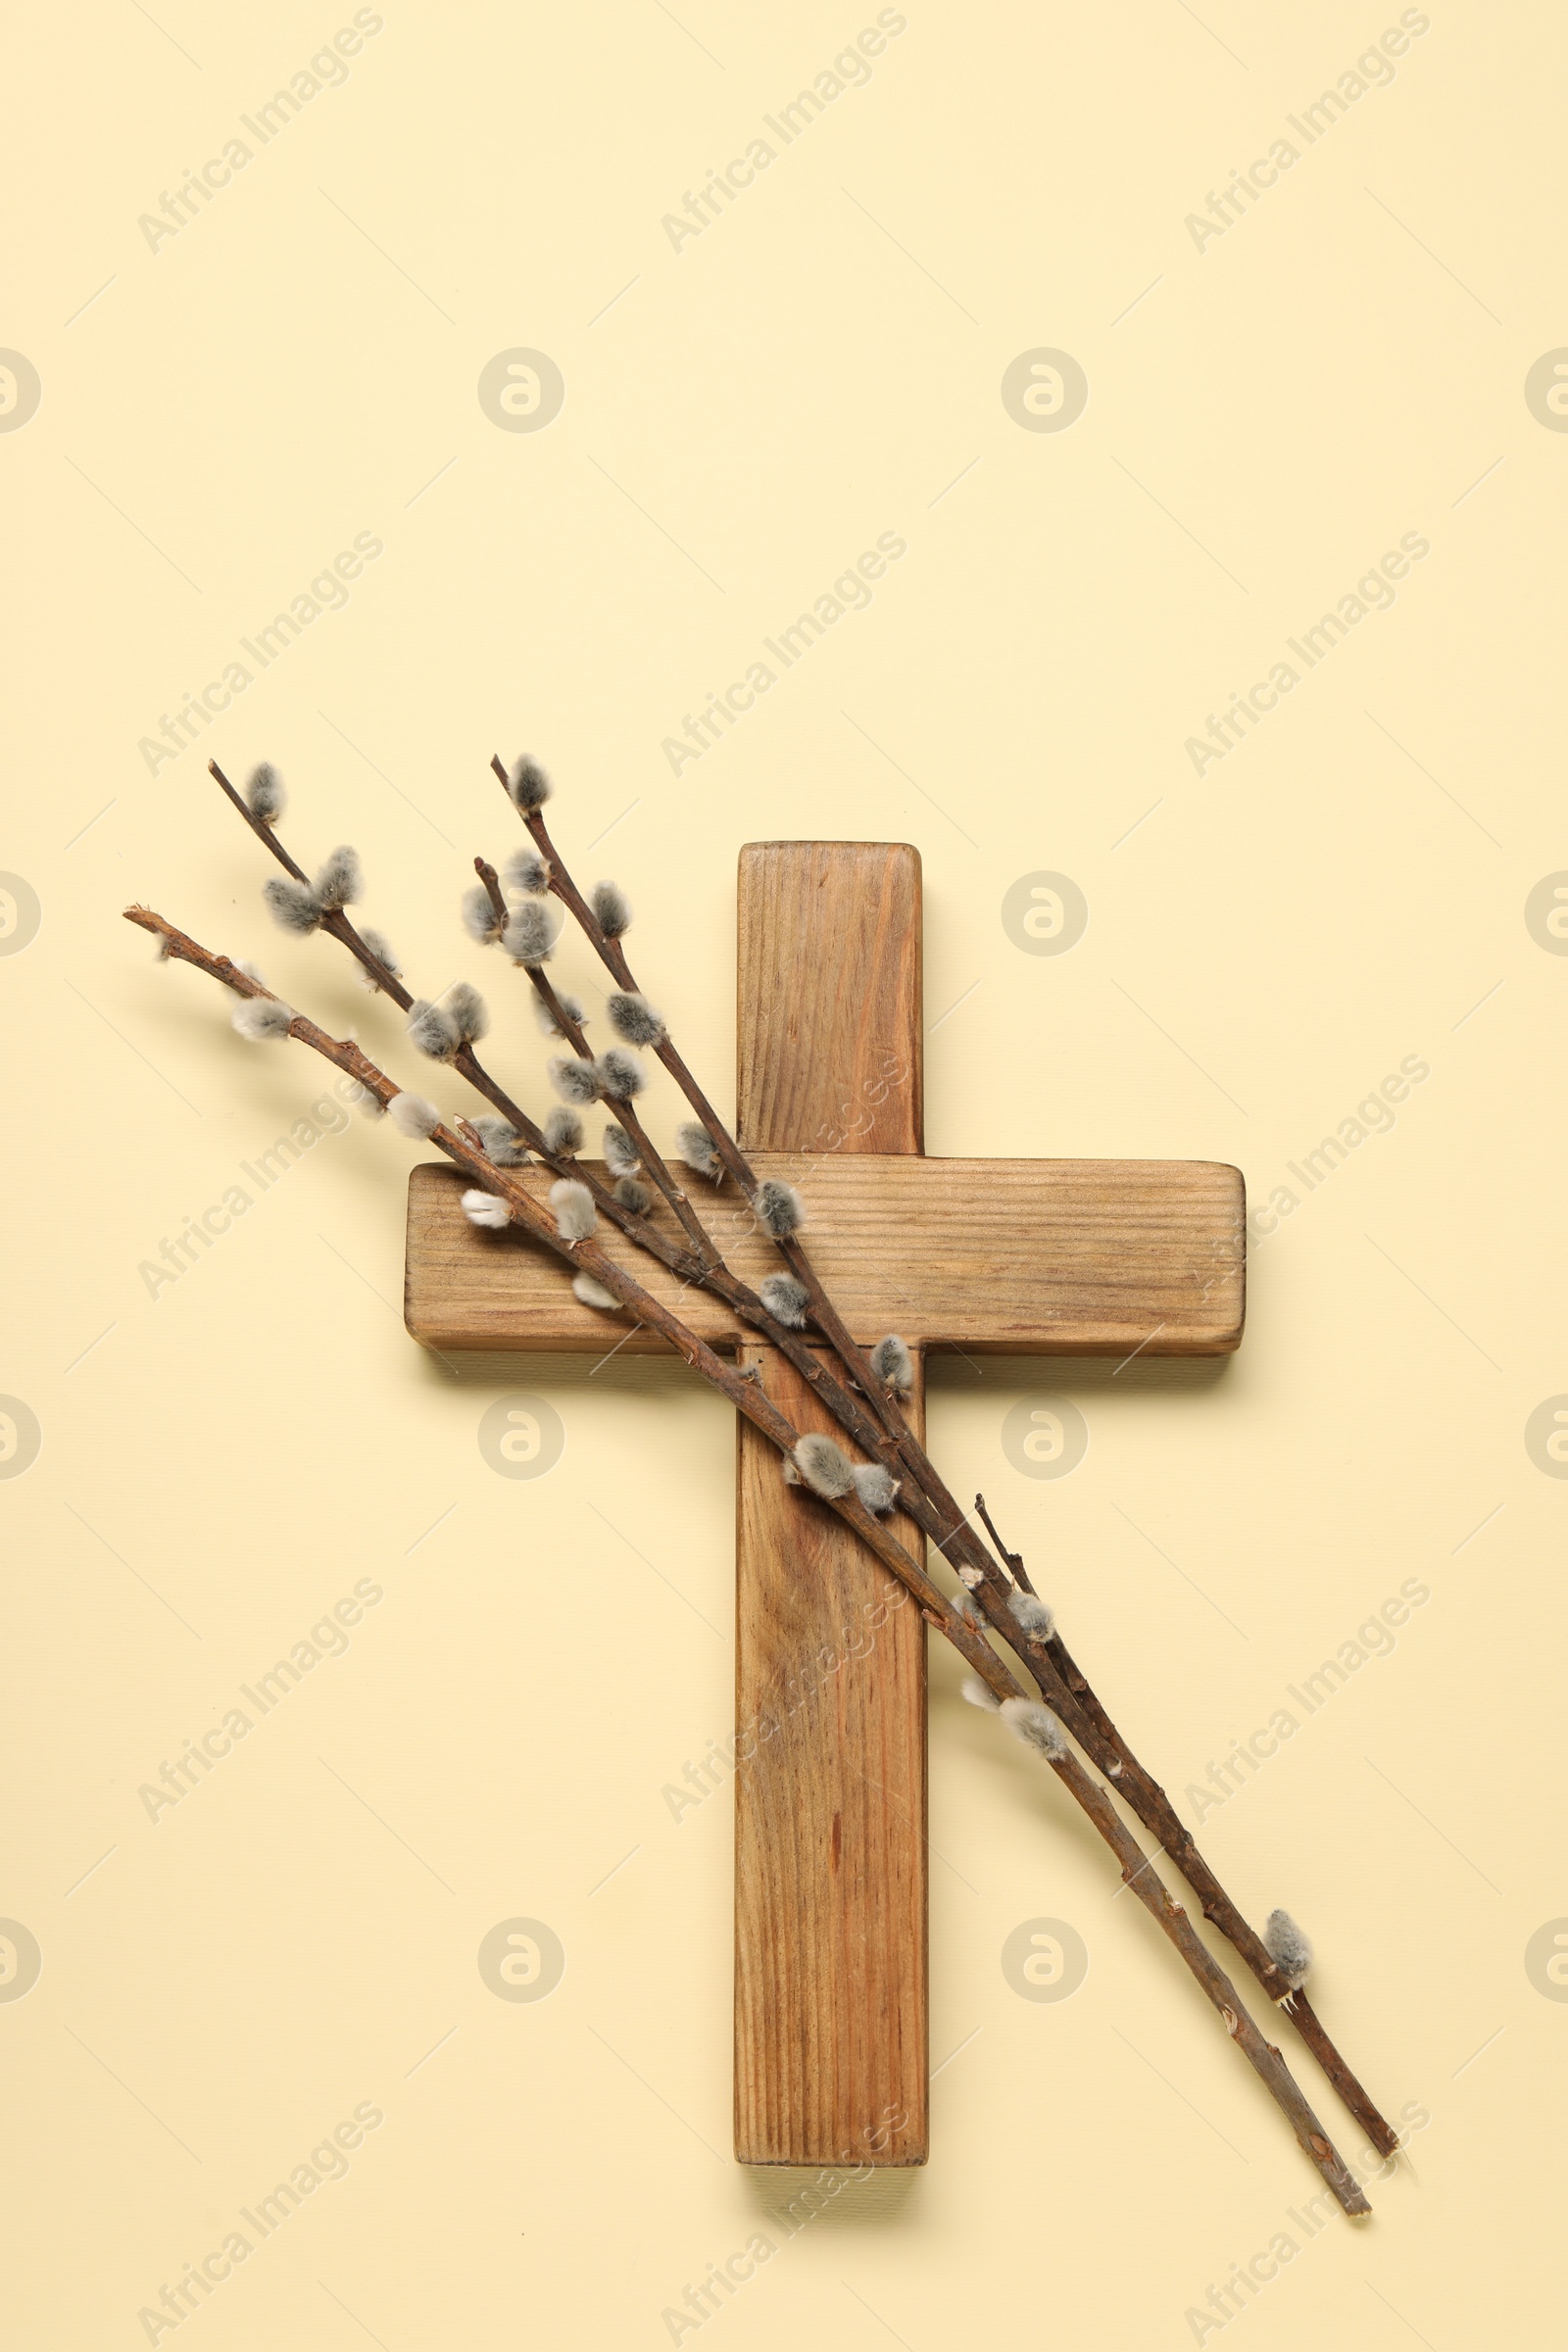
point(994, 1256)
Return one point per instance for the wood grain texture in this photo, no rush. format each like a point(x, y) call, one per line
point(829, 997)
point(831, 2030)
point(997, 1257)
point(831, 2033)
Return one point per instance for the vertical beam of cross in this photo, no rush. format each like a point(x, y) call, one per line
point(831, 2044)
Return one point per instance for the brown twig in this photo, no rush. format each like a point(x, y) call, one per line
point(492, 889)
point(748, 1397)
point(1011, 1560)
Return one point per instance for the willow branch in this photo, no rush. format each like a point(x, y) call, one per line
point(748, 1396)
point(1304, 2018)
point(1012, 1561)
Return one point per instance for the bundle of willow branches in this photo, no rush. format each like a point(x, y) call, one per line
point(1037, 1691)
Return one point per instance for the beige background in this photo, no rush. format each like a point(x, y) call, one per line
point(299, 365)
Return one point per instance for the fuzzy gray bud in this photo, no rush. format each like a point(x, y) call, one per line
point(980, 1694)
point(532, 933)
point(412, 1115)
point(381, 949)
point(527, 786)
point(786, 1299)
point(620, 1074)
point(1290, 1949)
point(562, 1132)
point(294, 905)
point(1031, 1615)
point(483, 1209)
point(432, 1029)
point(877, 1488)
point(1036, 1726)
point(264, 794)
point(780, 1211)
point(698, 1150)
point(261, 1018)
point(574, 1081)
point(611, 908)
point(594, 1293)
point(633, 1195)
point(341, 880)
point(527, 872)
point(575, 1214)
point(502, 1142)
point(824, 1467)
point(479, 918)
point(962, 1606)
point(632, 1018)
point(544, 1011)
point(468, 1012)
point(893, 1364)
point(620, 1153)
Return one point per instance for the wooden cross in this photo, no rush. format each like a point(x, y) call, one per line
point(993, 1256)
